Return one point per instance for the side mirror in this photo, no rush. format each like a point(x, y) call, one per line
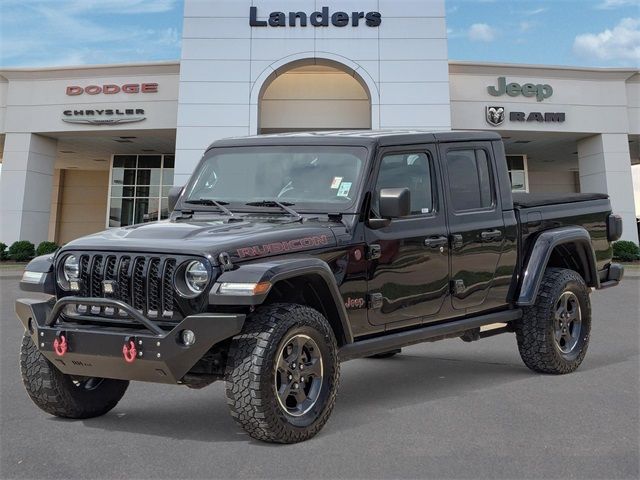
point(394, 203)
point(174, 195)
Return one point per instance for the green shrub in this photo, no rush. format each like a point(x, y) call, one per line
point(47, 247)
point(626, 251)
point(3, 251)
point(22, 251)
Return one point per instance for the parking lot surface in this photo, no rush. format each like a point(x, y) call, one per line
point(439, 410)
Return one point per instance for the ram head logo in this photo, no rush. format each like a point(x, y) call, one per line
point(495, 116)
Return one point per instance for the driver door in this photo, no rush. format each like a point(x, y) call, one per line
point(410, 278)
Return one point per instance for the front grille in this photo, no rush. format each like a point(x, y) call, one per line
point(146, 282)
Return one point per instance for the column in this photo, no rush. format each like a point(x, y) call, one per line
point(25, 187)
point(605, 167)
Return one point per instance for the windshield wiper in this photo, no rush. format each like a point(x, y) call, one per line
point(282, 205)
point(212, 203)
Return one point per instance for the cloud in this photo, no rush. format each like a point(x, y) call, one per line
point(536, 11)
point(125, 6)
point(621, 44)
point(525, 26)
point(481, 32)
point(611, 4)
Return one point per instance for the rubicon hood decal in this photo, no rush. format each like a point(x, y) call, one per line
point(294, 245)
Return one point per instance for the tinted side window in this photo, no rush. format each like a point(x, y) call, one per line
point(470, 179)
point(410, 170)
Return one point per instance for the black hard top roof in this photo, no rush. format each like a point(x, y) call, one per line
point(358, 138)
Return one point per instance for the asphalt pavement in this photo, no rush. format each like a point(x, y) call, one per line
point(440, 410)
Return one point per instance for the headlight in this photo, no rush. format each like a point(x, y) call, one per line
point(71, 268)
point(68, 274)
point(196, 277)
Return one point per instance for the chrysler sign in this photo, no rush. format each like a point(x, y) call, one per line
point(104, 116)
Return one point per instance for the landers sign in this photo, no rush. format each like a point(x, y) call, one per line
point(317, 19)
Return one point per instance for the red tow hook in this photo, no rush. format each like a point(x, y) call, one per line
point(129, 351)
point(60, 345)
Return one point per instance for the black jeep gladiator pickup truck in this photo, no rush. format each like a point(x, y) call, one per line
point(287, 254)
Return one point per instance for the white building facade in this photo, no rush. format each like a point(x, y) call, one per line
point(89, 148)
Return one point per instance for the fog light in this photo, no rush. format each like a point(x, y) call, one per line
point(188, 338)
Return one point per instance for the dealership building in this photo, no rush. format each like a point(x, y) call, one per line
point(92, 147)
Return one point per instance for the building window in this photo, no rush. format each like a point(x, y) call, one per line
point(139, 188)
point(517, 166)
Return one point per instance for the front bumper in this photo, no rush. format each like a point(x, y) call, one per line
point(97, 351)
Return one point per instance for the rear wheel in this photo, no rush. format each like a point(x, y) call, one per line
point(65, 395)
point(282, 373)
point(553, 334)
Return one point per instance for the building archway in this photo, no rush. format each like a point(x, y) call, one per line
point(313, 94)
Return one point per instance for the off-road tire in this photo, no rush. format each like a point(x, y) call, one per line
point(535, 331)
point(389, 354)
point(57, 394)
point(251, 373)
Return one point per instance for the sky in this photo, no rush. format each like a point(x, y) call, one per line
point(37, 33)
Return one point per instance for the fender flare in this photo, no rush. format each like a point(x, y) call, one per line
point(541, 252)
point(274, 271)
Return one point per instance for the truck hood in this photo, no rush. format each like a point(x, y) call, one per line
point(246, 239)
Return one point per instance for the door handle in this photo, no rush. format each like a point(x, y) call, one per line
point(435, 242)
point(489, 235)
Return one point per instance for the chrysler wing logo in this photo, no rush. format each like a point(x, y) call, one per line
point(108, 116)
point(495, 116)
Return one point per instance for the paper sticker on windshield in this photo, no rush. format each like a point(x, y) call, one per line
point(336, 182)
point(344, 189)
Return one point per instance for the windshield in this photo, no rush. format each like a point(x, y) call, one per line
point(319, 178)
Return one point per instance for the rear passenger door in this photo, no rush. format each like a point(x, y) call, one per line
point(476, 225)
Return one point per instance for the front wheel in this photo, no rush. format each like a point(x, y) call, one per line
point(282, 373)
point(553, 334)
point(65, 395)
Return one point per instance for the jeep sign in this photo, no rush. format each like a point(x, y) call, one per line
point(513, 89)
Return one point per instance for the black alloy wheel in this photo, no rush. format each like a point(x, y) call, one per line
point(568, 322)
point(298, 378)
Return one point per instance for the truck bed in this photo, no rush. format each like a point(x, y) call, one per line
point(528, 200)
point(538, 212)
